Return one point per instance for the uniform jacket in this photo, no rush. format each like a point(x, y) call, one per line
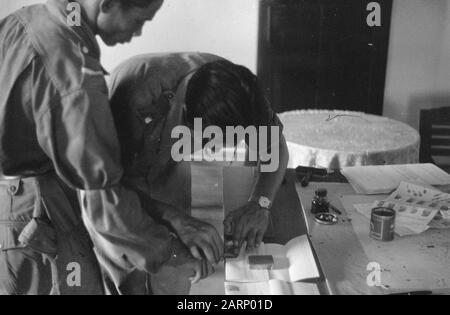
point(55, 117)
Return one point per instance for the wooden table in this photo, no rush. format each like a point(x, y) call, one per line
point(344, 250)
point(420, 262)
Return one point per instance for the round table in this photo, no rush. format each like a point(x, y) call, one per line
point(336, 139)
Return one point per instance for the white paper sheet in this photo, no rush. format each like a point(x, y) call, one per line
point(292, 262)
point(299, 254)
point(403, 226)
point(386, 178)
point(417, 208)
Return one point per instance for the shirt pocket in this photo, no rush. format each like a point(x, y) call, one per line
point(15, 213)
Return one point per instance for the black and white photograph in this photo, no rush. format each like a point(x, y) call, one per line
point(231, 154)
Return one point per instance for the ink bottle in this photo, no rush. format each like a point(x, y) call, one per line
point(320, 203)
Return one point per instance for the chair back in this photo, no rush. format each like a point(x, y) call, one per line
point(435, 137)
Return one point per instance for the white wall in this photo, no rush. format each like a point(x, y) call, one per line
point(418, 73)
point(225, 27)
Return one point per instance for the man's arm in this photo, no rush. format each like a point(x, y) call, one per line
point(250, 222)
point(202, 239)
point(78, 134)
point(268, 183)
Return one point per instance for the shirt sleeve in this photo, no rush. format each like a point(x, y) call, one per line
point(78, 134)
point(273, 121)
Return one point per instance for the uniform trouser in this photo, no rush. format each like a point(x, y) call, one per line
point(45, 248)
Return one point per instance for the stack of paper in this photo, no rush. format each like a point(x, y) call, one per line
point(416, 208)
point(293, 262)
point(386, 178)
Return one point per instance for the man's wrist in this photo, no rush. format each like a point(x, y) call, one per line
point(262, 202)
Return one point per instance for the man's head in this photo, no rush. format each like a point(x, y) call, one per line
point(119, 20)
point(228, 101)
point(224, 94)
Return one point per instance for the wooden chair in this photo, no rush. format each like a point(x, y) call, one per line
point(435, 137)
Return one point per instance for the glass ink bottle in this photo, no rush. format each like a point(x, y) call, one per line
point(320, 203)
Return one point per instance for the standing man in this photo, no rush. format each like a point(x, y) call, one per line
point(57, 136)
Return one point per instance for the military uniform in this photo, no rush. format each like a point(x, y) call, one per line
point(57, 136)
point(153, 88)
point(149, 86)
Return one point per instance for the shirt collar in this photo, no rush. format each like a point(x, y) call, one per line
point(84, 32)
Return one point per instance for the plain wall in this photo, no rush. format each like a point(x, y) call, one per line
point(418, 73)
point(227, 28)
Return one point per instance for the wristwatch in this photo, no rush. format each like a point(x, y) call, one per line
point(263, 202)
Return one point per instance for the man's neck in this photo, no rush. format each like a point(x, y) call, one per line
point(90, 10)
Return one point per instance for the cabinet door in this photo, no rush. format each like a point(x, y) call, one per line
point(323, 54)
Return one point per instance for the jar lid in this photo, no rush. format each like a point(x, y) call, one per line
point(326, 218)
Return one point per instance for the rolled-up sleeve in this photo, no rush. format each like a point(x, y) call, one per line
point(78, 134)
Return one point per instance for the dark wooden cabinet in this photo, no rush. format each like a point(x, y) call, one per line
point(323, 54)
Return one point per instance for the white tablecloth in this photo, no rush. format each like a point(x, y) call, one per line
point(336, 139)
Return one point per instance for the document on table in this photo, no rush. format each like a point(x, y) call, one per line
point(386, 178)
point(271, 287)
point(292, 262)
point(417, 208)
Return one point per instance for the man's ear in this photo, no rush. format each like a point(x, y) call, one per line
point(107, 5)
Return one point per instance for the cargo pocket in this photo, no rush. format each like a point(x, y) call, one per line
point(23, 224)
point(39, 236)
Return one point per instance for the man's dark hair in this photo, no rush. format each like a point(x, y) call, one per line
point(128, 4)
point(225, 94)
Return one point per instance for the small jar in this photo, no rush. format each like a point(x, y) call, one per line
point(320, 203)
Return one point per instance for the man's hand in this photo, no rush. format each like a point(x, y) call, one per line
point(194, 268)
point(248, 223)
point(201, 238)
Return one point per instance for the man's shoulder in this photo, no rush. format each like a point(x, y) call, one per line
point(174, 58)
point(161, 69)
point(63, 54)
point(169, 63)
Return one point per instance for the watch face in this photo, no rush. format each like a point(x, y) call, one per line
point(264, 202)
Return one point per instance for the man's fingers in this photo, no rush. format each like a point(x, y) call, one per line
point(228, 222)
point(228, 225)
point(204, 268)
point(251, 242)
point(228, 219)
point(208, 251)
point(210, 244)
point(237, 234)
point(196, 253)
point(210, 269)
point(243, 232)
point(219, 243)
point(259, 238)
point(214, 240)
point(198, 272)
